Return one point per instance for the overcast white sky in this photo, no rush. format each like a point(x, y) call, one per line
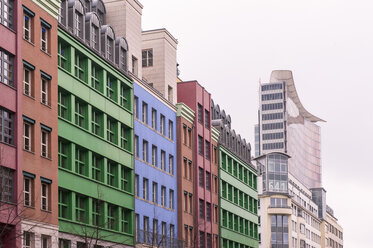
point(328, 44)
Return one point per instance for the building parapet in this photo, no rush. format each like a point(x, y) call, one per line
point(184, 111)
point(52, 7)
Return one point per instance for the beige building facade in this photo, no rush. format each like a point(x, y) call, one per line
point(332, 232)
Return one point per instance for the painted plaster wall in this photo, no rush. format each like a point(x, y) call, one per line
point(143, 169)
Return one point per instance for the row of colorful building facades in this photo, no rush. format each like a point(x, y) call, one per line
point(103, 145)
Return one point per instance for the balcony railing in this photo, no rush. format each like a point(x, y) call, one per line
point(157, 240)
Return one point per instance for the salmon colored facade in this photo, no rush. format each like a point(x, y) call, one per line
point(185, 172)
point(10, 106)
point(40, 124)
point(199, 100)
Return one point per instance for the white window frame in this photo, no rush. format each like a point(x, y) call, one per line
point(44, 145)
point(27, 191)
point(163, 196)
point(163, 160)
point(27, 29)
point(28, 82)
point(44, 40)
point(44, 98)
point(28, 236)
point(28, 126)
point(47, 239)
point(44, 197)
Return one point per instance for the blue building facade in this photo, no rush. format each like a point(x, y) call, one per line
point(155, 168)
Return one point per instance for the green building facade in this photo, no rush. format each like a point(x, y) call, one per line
point(238, 201)
point(95, 137)
point(238, 194)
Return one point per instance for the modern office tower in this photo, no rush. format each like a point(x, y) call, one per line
point(286, 126)
point(238, 198)
point(159, 66)
point(95, 145)
point(155, 168)
point(39, 123)
point(185, 173)
point(288, 215)
point(193, 95)
point(331, 231)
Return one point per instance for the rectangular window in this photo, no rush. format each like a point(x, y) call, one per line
point(200, 145)
point(154, 118)
point(136, 146)
point(45, 190)
point(184, 134)
point(28, 238)
point(216, 219)
point(111, 217)
point(110, 48)
point(170, 130)
point(80, 113)
point(154, 155)
point(45, 83)
point(190, 170)
point(62, 56)
point(111, 88)
point(201, 208)
point(81, 162)
point(111, 130)
point(80, 208)
point(63, 153)
point(97, 165)
point(200, 177)
point(44, 38)
point(207, 150)
point(162, 125)
point(64, 243)
point(46, 241)
point(145, 150)
point(96, 78)
point(137, 192)
point(145, 185)
point(95, 36)
point(146, 229)
point(208, 211)
point(208, 180)
point(171, 164)
point(63, 105)
point(134, 65)
point(185, 165)
point(125, 178)
point(27, 191)
point(147, 58)
point(163, 196)
point(125, 133)
point(78, 24)
point(163, 160)
point(6, 68)
point(189, 137)
point(171, 196)
point(6, 13)
point(63, 204)
point(200, 114)
point(155, 192)
point(170, 94)
point(136, 107)
point(27, 82)
point(208, 240)
point(111, 173)
point(96, 212)
point(185, 201)
point(190, 203)
point(145, 112)
point(97, 125)
point(207, 119)
point(45, 139)
point(28, 136)
point(201, 239)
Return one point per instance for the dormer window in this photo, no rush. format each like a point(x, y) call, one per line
point(121, 49)
point(107, 42)
point(79, 24)
point(94, 36)
point(109, 48)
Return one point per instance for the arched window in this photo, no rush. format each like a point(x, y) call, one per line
point(92, 30)
point(98, 7)
point(75, 17)
point(107, 42)
point(121, 49)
